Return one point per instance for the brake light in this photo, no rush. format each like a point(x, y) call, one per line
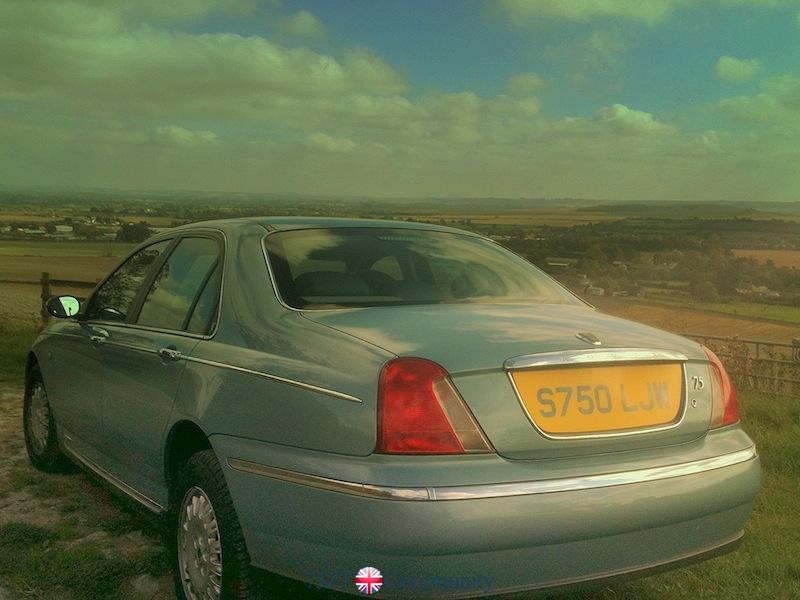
point(421, 412)
point(725, 406)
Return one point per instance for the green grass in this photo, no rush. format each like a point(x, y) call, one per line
point(765, 566)
point(39, 562)
point(749, 310)
point(777, 312)
point(14, 346)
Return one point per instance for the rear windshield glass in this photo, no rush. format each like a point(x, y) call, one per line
point(343, 267)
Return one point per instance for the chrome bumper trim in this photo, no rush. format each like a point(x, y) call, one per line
point(591, 356)
point(332, 485)
point(498, 490)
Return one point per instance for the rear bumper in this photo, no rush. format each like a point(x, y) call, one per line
point(460, 541)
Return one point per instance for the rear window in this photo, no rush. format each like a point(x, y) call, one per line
point(345, 267)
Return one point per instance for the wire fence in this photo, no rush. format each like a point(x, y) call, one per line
point(756, 364)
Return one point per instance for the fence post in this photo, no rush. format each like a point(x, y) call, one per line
point(796, 349)
point(45, 295)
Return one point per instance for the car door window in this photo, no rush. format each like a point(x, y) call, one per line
point(180, 285)
point(113, 300)
point(205, 310)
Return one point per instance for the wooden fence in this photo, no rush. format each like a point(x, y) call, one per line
point(753, 364)
point(756, 364)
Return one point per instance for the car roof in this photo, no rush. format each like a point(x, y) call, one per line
point(287, 223)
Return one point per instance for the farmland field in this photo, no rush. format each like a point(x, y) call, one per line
point(781, 258)
point(777, 312)
point(687, 319)
point(81, 261)
point(528, 217)
point(747, 310)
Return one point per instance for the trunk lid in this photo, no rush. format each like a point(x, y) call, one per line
point(480, 345)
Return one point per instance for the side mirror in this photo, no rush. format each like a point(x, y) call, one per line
point(63, 307)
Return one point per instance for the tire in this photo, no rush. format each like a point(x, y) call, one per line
point(39, 427)
point(201, 485)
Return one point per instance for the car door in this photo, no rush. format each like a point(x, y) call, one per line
point(78, 351)
point(144, 361)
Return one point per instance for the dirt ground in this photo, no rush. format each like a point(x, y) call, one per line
point(81, 514)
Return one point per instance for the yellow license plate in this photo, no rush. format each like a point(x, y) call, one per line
point(572, 401)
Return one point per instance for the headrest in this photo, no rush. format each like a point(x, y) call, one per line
point(329, 283)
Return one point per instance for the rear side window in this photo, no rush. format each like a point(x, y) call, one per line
point(114, 298)
point(180, 288)
point(329, 268)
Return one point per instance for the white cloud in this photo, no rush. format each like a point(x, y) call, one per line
point(649, 12)
point(66, 55)
point(185, 138)
point(169, 10)
point(730, 68)
point(625, 120)
point(524, 84)
point(303, 24)
point(596, 61)
point(92, 95)
point(776, 105)
point(323, 141)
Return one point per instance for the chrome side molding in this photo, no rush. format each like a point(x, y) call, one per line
point(498, 490)
point(587, 356)
point(287, 381)
point(145, 501)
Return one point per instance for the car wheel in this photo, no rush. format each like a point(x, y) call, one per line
point(211, 561)
point(41, 439)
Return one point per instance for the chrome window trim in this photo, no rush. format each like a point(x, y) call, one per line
point(145, 501)
point(498, 490)
point(174, 236)
point(286, 380)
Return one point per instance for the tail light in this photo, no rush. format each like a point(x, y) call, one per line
point(724, 407)
point(421, 412)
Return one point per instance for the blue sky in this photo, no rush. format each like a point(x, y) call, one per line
point(654, 99)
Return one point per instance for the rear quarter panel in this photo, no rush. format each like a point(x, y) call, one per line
point(258, 334)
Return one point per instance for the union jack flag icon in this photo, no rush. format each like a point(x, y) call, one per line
point(369, 580)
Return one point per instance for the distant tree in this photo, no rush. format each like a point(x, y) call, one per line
point(134, 232)
point(705, 291)
point(50, 228)
point(83, 230)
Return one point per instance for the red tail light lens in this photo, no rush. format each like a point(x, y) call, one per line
point(420, 412)
point(725, 406)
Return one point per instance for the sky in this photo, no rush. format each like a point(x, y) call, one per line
point(599, 99)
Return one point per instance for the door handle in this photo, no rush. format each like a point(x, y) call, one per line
point(98, 336)
point(169, 354)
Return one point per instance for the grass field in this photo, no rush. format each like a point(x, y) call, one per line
point(777, 312)
point(81, 261)
point(781, 258)
point(66, 537)
point(747, 310)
